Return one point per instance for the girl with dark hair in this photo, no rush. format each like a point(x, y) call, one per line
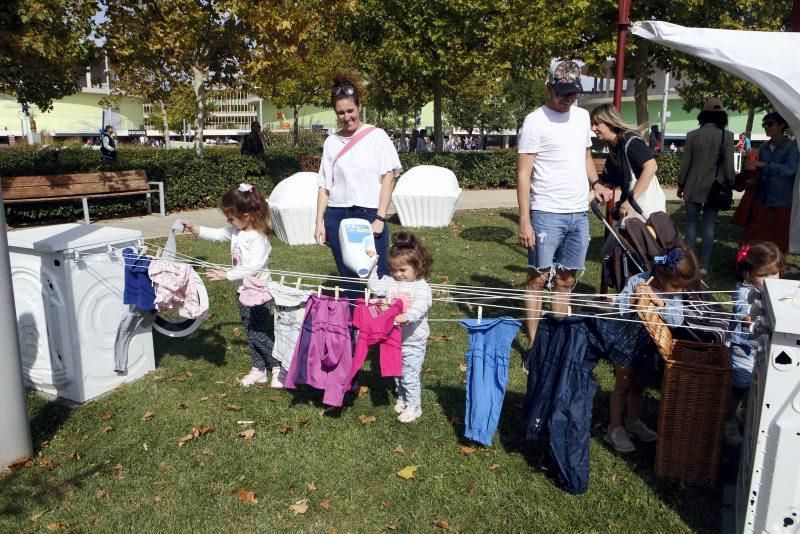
point(356, 176)
point(755, 262)
point(248, 214)
point(630, 347)
point(777, 161)
point(707, 156)
point(409, 263)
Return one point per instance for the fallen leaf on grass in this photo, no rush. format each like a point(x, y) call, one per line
point(56, 526)
point(121, 385)
point(204, 398)
point(158, 378)
point(493, 467)
point(399, 449)
point(197, 431)
point(304, 422)
point(233, 407)
point(362, 390)
point(47, 464)
point(441, 338)
point(183, 406)
point(325, 504)
point(391, 526)
point(106, 429)
point(247, 496)
point(117, 471)
point(462, 367)
point(285, 429)
point(366, 419)
point(147, 415)
point(106, 416)
point(311, 486)
point(220, 382)
point(221, 395)
point(385, 504)
point(407, 472)
point(300, 507)
point(175, 391)
point(207, 452)
point(274, 398)
point(179, 378)
point(101, 494)
point(248, 434)
point(471, 487)
point(466, 450)
point(441, 523)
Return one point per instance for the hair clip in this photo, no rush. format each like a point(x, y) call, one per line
point(670, 259)
point(245, 188)
point(742, 254)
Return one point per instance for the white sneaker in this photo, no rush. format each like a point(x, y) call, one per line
point(639, 430)
point(278, 376)
point(255, 377)
point(732, 435)
point(619, 439)
point(399, 406)
point(409, 414)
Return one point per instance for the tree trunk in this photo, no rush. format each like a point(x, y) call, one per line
point(437, 115)
point(751, 115)
point(641, 81)
point(167, 140)
point(404, 123)
point(296, 128)
point(199, 86)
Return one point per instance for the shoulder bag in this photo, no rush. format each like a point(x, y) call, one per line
point(720, 197)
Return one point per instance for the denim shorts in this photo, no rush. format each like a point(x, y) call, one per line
point(562, 240)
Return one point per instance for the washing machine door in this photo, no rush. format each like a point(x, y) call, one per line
point(171, 324)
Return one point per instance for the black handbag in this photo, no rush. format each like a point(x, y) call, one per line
point(720, 197)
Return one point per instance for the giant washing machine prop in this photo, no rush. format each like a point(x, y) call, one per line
point(768, 492)
point(68, 281)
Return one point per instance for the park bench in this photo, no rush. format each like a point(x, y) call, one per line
point(83, 186)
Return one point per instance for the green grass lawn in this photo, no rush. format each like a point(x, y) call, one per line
point(107, 467)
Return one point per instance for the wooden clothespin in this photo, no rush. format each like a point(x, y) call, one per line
point(158, 252)
point(283, 279)
point(336, 292)
point(319, 290)
point(569, 310)
point(297, 284)
point(366, 295)
point(480, 314)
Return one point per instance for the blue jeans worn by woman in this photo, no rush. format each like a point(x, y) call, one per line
point(707, 225)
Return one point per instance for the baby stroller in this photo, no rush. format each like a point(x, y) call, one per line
point(630, 250)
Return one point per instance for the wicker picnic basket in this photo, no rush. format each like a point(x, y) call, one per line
point(694, 393)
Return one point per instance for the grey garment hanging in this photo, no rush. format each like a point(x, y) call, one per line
point(134, 320)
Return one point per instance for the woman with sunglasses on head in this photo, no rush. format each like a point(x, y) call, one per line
point(356, 177)
point(777, 161)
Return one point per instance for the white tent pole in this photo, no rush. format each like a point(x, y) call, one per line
point(15, 434)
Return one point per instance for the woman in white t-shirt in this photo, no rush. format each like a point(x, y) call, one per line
point(356, 177)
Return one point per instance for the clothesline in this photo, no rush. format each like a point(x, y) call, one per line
point(547, 296)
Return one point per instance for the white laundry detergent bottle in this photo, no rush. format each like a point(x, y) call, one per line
point(355, 237)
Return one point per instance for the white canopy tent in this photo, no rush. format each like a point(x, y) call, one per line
point(765, 60)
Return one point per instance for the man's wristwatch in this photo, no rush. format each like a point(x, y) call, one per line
point(591, 185)
point(380, 218)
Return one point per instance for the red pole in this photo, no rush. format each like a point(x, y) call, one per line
point(622, 33)
point(619, 76)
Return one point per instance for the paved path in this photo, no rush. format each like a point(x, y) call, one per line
point(154, 226)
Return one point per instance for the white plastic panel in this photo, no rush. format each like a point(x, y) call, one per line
point(768, 492)
point(426, 195)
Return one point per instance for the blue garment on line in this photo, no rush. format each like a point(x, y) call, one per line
point(558, 402)
point(138, 287)
point(488, 347)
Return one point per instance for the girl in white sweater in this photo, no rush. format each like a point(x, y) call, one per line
point(248, 214)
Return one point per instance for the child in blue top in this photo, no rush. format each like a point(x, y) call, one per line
point(755, 262)
point(630, 347)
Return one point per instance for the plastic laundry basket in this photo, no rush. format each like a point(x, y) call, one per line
point(293, 206)
point(426, 195)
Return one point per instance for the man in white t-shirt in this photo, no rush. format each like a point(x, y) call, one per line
point(556, 177)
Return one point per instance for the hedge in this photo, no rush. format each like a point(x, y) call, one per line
point(192, 182)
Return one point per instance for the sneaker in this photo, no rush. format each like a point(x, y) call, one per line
point(639, 430)
point(409, 414)
point(399, 406)
point(619, 439)
point(278, 376)
point(732, 435)
point(255, 377)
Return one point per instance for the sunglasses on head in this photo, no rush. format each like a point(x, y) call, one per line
point(767, 124)
point(346, 90)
